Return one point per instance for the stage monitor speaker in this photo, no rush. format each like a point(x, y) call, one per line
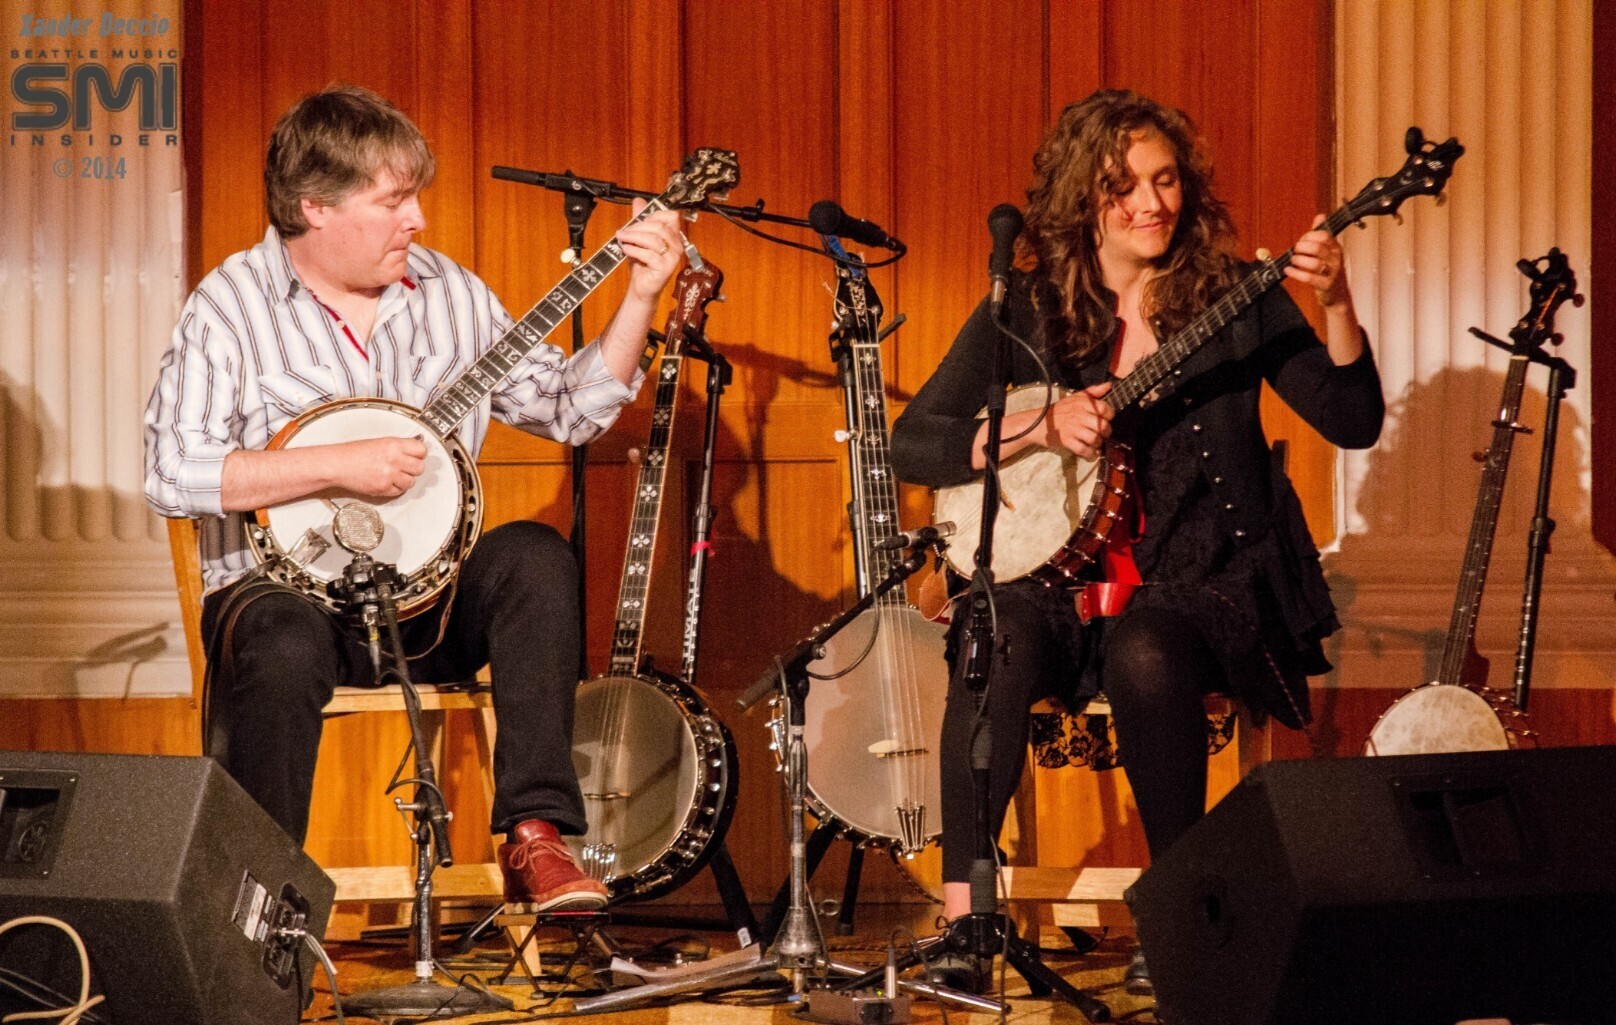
point(176, 880)
point(1418, 890)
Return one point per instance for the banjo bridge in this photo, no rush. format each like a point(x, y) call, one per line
point(889, 749)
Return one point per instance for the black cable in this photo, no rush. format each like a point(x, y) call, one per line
point(1043, 373)
point(874, 633)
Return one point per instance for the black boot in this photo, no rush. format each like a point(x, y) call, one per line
point(1136, 979)
point(968, 973)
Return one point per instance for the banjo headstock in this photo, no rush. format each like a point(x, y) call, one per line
point(707, 173)
point(1424, 173)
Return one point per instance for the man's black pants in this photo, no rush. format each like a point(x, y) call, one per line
point(515, 609)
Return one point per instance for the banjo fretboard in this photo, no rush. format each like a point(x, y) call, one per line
point(477, 381)
point(875, 492)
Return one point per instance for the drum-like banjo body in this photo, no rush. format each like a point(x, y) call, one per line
point(1057, 511)
point(1457, 711)
point(427, 532)
point(1052, 501)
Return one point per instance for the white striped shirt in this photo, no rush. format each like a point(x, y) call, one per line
point(254, 348)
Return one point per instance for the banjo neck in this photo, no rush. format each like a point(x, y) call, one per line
point(474, 384)
point(1163, 365)
point(875, 490)
point(697, 285)
point(706, 172)
point(1425, 172)
point(1456, 651)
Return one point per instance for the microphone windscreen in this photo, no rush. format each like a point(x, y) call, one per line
point(826, 217)
point(1004, 224)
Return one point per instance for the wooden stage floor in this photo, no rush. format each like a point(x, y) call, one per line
point(387, 960)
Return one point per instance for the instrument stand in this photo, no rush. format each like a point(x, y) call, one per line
point(737, 907)
point(1553, 283)
point(1562, 378)
point(738, 917)
point(985, 931)
point(367, 588)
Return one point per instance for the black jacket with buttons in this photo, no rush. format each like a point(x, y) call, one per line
point(1219, 392)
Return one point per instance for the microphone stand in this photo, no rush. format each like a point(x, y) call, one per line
point(986, 932)
point(578, 205)
point(612, 192)
point(368, 587)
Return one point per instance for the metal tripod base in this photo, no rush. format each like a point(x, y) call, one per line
point(731, 970)
point(424, 998)
point(988, 934)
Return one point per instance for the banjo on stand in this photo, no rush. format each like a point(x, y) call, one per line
point(1058, 509)
point(658, 771)
point(1457, 711)
point(427, 532)
point(875, 711)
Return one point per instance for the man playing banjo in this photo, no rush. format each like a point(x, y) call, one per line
point(336, 302)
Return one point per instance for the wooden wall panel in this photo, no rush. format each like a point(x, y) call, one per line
point(548, 94)
point(919, 114)
point(783, 124)
point(971, 112)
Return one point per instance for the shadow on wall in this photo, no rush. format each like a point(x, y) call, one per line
point(39, 549)
point(1420, 492)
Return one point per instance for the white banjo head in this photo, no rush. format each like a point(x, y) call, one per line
point(1438, 718)
point(1044, 496)
point(417, 524)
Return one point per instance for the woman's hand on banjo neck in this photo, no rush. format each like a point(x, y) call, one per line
point(375, 468)
point(1080, 423)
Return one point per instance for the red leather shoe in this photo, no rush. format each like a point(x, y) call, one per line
point(540, 874)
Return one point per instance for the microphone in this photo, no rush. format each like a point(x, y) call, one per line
point(1004, 224)
point(568, 182)
point(931, 533)
point(828, 218)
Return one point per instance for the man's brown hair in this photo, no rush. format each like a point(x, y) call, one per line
point(330, 145)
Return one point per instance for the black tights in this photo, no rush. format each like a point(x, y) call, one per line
point(1157, 670)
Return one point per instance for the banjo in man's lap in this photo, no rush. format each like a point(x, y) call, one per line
point(427, 532)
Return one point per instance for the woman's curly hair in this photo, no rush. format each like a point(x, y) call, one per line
point(1081, 164)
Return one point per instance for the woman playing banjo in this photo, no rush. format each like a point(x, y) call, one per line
point(1124, 245)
